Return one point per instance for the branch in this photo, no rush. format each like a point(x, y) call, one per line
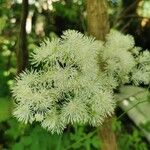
point(22, 52)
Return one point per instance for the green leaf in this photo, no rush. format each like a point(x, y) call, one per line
point(95, 141)
point(5, 109)
point(18, 146)
point(26, 141)
point(146, 126)
point(16, 129)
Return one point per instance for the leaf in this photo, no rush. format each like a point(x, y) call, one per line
point(18, 146)
point(16, 129)
point(5, 109)
point(146, 126)
point(95, 141)
point(27, 141)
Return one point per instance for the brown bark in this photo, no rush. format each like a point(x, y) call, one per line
point(98, 26)
point(107, 135)
point(97, 18)
point(22, 52)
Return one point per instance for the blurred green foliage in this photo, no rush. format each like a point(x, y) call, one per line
point(5, 107)
point(21, 137)
point(129, 138)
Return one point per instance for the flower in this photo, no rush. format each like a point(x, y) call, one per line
point(77, 78)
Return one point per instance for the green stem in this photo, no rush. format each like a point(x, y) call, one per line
point(131, 109)
point(84, 138)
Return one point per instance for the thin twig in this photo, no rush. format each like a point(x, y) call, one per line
point(131, 109)
point(124, 12)
point(132, 95)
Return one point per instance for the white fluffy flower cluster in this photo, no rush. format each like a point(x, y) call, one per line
point(75, 79)
point(141, 72)
point(122, 62)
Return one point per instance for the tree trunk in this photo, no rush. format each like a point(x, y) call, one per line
point(98, 26)
point(22, 52)
point(107, 135)
point(97, 18)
